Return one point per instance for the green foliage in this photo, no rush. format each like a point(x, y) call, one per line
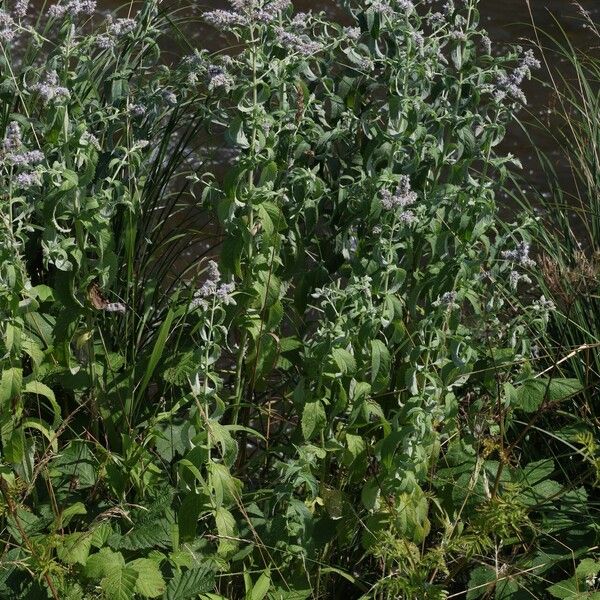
point(336, 395)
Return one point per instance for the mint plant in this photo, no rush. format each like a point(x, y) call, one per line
point(317, 391)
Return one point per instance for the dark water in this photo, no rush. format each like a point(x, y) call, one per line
point(507, 22)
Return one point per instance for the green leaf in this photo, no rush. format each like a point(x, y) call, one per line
point(587, 567)
point(75, 547)
point(10, 384)
point(71, 511)
point(188, 584)
point(220, 435)
point(101, 535)
point(261, 587)
point(188, 516)
point(226, 529)
point(313, 418)
point(565, 589)
point(77, 463)
point(157, 352)
point(344, 360)
point(14, 447)
point(155, 534)
point(235, 134)
point(150, 582)
point(268, 174)
point(41, 389)
point(481, 582)
point(333, 500)
point(265, 220)
point(120, 584)
point(380, 365)
point(103, 563)
point(529, 396)
point(225, 487)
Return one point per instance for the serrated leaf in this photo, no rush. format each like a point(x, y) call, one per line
point(188, 516)
point(187, 585)
point(529, 396)
point(226, 488)
point(150, 582)
point(221, 436)
point(10, 384)
point(226, 528)
point(102, 563)
point(75, 547)
point(76, 463)
point(149, 535)
point(120, 584)
point(481, 581)
point(71, 511)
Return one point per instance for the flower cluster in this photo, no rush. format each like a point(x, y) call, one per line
point(120, 26)
point(72, 8)
point(510, 85)
point(88, 139)
point(300, 19)
point(115, 307)
point(8, 27)
point(49, 89)
point(115, 30)
point(213, 288)
point(544, 305)
point(353, 33)
point(14, 154)
point(270, 12)
point(218, 78)
point(27, 180)
point(519, 255)
point(19, 9)
point(246, 12)
point(436, 19)
point(403, 196)
point(137, 110)
point(448, 300)
point(515, 277)
point(169, 97)
point(224, 18)
point(297, 43)
point(382, 8)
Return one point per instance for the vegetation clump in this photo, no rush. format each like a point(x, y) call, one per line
point(262, 329)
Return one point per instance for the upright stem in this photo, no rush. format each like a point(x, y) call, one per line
point(239, 377)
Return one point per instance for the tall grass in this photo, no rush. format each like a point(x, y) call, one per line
point(568, 210)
